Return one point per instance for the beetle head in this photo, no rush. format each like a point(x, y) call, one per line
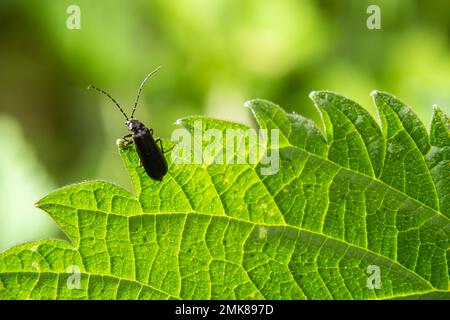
point(134, 125)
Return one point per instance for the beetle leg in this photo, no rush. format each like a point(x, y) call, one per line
point(162, 149)
point(151, 131)
point(169, 149)
point(127, 139)
point(128, 142)
point(160, 143)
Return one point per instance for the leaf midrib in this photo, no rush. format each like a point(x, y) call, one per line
point(254, 224)
point(401, 267)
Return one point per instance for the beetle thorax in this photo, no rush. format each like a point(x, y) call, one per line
point(134, 125)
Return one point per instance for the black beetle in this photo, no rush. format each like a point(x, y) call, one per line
point(150, 154)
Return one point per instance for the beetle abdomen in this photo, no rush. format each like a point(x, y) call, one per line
point(151, 155)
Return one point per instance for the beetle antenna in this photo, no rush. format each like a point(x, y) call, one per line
point(140, 89)
point(109, 96)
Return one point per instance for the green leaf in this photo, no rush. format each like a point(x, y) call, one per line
point(439, 158)
point(341, 206)
point(405, 167)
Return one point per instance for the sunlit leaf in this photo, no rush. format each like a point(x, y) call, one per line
point(341, 207)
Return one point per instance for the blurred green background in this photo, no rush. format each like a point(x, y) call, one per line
point(216, 54)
